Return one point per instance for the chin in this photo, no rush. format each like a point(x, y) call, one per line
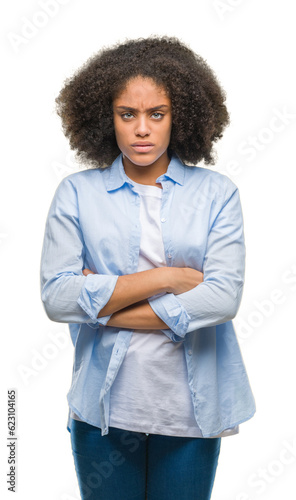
point(141, 160)
point(143, 163)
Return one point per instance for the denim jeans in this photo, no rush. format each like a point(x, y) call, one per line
point(125, 465)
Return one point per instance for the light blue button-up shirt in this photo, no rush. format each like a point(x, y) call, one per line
point(93, 222)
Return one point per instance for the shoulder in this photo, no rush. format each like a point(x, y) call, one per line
point(87, 175)
point(84, 179)
point(210, 180)
point(79, 187)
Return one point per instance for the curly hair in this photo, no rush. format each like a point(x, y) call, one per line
point(199, 114)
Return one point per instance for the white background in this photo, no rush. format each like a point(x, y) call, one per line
point(250, 45)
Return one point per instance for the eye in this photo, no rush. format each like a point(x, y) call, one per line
point(157, 115)
point(127, 116)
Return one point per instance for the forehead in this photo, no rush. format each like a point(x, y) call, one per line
point(142, 90)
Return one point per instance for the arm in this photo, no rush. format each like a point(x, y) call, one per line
point(217, 299)
point(67, 295)
point(71, 296)
point(134, 288)
point(139, 316)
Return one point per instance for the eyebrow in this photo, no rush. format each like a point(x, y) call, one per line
point(127, 108)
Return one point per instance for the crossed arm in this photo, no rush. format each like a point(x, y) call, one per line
point(169, 299)
point(128, 304)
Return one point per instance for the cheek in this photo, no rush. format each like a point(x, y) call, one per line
point(168, 134)
point(121, 140)
point(168, 127)
point(119, 133)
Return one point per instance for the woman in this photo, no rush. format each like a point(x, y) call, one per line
point(143, 256)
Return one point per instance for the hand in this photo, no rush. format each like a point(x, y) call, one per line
point(87, 271)
point(183, 279)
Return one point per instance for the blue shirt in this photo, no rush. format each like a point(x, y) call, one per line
point(93, 222)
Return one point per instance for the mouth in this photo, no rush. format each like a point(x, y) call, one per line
point(142, 147)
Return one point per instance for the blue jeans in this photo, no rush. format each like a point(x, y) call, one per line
point(125, 465)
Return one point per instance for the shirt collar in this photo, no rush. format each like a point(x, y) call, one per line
point(175, 171)
point(118, 177)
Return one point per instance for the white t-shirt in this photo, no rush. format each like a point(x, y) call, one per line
point(151, 392)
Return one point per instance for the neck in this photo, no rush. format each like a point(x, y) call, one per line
point(146, 174)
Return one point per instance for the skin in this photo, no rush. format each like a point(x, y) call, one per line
point(143, 113)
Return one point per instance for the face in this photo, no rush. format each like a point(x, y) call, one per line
point(142, 123)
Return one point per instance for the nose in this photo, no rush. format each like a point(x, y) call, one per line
point(142, 126)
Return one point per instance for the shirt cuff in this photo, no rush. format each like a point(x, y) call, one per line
point(168, 308)
point(100, 322)
point(94, 295)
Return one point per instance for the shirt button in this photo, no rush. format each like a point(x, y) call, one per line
point(190, 352)
point(163, 219)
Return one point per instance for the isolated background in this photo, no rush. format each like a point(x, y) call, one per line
point(250, 45)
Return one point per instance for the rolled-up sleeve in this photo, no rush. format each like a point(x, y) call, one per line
point(67, 295)
point(217, 299)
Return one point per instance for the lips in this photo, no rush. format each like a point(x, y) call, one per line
point(142, 147)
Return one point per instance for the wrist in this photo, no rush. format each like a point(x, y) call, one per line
point(166, 277)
